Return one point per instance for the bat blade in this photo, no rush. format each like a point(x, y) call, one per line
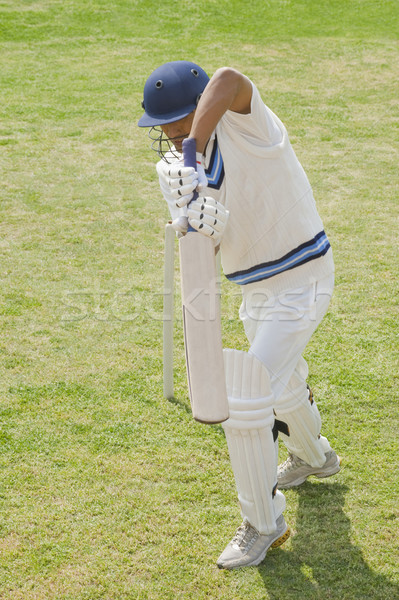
point(201, 320)
point(202, 329)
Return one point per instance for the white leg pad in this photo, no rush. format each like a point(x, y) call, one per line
point(250, 440)
point(304, 423)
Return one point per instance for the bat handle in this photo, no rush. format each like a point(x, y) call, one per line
point(190, 160)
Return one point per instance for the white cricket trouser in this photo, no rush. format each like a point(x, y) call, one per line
point(268, 384)
point(279, 329)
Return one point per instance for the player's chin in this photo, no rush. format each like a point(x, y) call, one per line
point(178, 143)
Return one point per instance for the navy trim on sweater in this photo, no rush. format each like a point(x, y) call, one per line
point(215, 170)
point(304, 253)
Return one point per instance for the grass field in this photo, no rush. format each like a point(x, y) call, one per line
point(107, 490)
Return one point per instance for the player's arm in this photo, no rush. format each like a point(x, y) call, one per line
point(228, 89)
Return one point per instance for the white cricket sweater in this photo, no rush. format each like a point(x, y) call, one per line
point(274, 234)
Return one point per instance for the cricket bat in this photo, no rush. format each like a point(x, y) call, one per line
point(201, 320)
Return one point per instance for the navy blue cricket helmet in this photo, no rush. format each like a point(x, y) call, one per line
point(172, 92)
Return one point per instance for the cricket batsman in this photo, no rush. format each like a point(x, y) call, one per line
point(256, 203)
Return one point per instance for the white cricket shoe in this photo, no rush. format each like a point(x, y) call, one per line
point(294, 471)
point(248, 547)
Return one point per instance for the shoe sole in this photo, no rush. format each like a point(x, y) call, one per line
point(281, 539)
point(321, 475)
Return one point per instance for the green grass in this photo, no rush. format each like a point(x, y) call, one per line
point(108, 491)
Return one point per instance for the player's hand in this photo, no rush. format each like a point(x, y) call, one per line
point(180, 225)
point(183, 181)
point(208, 216)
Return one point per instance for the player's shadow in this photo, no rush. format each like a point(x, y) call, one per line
point(180, 404)
point(323, 561)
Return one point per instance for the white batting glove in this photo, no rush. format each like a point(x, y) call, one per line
point(202, 178)
point(183, 181)
point(208, 216)
point(180, 225)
